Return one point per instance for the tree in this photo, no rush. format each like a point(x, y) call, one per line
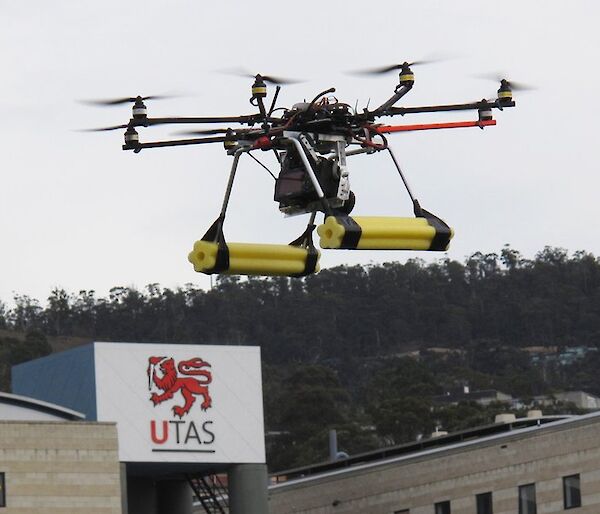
point(26, 314)
point(401, 420)
point(15, 351)
point(310, 402)
point(58, 313)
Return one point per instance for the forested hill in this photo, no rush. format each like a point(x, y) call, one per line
point(361, 349)
point(553, 299)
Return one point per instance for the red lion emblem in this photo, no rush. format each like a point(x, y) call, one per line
point(170, 382)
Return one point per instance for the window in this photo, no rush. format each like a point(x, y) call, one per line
point(2, 491)
point(442, 507)
point(571, 492)
point(484, 503)
point(527, 499)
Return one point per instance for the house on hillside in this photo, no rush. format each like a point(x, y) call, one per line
point(483, 397)
point(562, 356)
point(580, 399)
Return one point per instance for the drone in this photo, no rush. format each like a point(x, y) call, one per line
point(312, 142)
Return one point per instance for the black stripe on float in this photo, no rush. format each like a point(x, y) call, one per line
point(312, 259)
point(312, 254)
point(441, 240)
point(222, 261)
point(352, 232)
point(310, 264)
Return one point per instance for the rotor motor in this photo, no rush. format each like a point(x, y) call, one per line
point(505, 92)
point(139, 109)
point(406, 77)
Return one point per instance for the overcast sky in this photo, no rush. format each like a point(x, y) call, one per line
point(78, 212)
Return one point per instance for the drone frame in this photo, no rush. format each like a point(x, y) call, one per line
point(335, 124)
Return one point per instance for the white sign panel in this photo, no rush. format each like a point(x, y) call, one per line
point(182, 403)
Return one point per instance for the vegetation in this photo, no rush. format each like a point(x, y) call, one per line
point(361, 349)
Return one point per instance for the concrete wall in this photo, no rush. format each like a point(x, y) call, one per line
point(60, 468)
point(542, 456)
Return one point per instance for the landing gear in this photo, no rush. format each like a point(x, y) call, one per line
point(213, 254)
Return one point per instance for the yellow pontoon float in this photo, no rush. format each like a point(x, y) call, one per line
point(212, 254)
point(426, 232)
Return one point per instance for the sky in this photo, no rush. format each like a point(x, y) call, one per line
point(77, 212)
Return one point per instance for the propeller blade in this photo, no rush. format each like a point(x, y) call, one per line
point(280, 80)
point(386, 69)
point(375, 71)
point(519, 86)
point(103, 129)
point(423, 61)
point(242, 72)
point(498, 77)
point(127, 99)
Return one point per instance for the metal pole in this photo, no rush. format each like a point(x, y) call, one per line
point(309, 170)
point(333, 447)
point(400, 92)
point(401, 175)
point(361, 150)
point(248, 493)
point(236, 158)
point(174, 497)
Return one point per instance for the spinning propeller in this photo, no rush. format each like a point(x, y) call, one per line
point(241, 72)
point(386, 69)
point(103, 129)
point(380, 70)
point(498, 77)
point(331, 118)
point(125, 100)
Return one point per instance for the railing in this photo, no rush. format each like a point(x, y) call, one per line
point(211, 492)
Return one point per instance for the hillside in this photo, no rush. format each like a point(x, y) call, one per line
point(362, 349)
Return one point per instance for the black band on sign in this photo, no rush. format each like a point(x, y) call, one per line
point(352, 232)
point(443, 232)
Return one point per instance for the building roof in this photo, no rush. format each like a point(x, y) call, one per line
point(461, 396)
point(425, 447)
point(14, 407)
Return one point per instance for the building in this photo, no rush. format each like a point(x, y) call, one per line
point(483, 397)
point(545, 465)
point(580, 399)
point(160, 419)
point(53, 462)
point(143, 427)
